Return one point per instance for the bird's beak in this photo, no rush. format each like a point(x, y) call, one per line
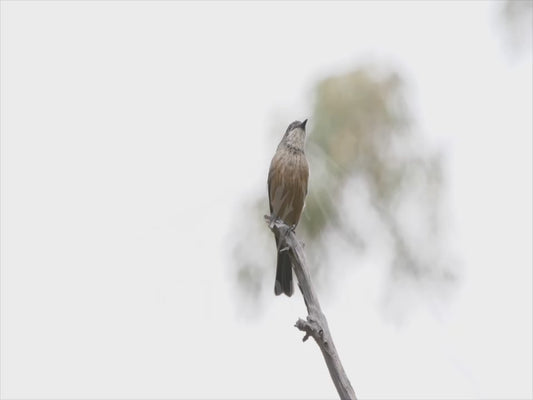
point(302, 125)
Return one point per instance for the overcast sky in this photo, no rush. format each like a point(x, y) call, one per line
point(132, 133)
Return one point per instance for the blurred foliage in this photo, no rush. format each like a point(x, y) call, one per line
point(374, 183)
point(362, 130)
point(372, 179)
point(517, 18)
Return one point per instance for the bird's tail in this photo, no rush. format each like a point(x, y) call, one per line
point(283, 274)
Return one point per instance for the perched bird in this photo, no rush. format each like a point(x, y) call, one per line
point(287, 188)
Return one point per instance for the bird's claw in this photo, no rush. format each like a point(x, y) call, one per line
point(273, 220)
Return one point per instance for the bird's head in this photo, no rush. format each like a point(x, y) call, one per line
point(295, 133)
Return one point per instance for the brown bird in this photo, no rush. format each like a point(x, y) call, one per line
point(287, 188)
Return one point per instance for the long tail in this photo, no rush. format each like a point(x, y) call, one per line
point(283, 274)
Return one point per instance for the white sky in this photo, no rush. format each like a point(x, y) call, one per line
point(132, 132)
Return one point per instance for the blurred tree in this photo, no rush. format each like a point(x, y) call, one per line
point(372, 179)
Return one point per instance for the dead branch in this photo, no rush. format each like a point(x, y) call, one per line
point(315, 324)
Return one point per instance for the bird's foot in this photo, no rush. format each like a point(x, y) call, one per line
point(273, 220)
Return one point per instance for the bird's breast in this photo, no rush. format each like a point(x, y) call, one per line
point(287, 185)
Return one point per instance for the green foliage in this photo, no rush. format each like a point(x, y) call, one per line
point(354, 119)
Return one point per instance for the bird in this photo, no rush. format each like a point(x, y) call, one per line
point(287, 188)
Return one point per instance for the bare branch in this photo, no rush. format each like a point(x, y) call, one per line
point(315, 324)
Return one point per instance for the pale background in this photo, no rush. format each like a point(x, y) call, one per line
point(131, 132)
